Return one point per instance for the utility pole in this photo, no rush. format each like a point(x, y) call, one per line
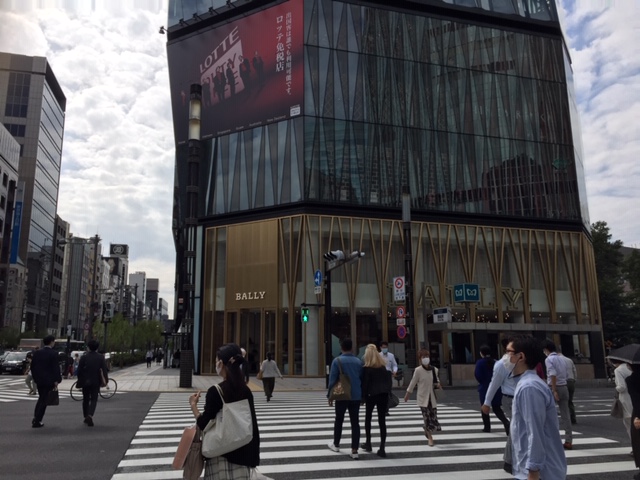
point(408, 276)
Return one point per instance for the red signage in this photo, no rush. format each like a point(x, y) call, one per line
point(251, 72)
point(402, 331)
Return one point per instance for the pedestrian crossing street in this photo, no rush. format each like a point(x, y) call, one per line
point(295, 428)
point(9, 392)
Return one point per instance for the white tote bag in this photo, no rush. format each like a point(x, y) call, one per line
point(231, 429)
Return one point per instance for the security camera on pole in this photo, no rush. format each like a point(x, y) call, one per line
point(333, 260)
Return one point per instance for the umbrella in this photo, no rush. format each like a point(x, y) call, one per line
point(628, 354)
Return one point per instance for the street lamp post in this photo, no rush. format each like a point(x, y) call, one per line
point(408, 273)
point(187, 360)
point(333, 260)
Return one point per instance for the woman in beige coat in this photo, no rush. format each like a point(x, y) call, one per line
point(425, 376)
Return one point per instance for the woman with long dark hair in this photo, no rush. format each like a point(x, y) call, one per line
point(238, 464)
point(270, 371)
point(484, 373)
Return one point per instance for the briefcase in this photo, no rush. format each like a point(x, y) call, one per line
point(53, 398)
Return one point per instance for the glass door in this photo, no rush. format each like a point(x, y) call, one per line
point(249, 337)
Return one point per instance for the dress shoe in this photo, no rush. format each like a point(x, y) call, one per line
point(568, 445)
point(507, 467)
point(37, 424)
point(88, 420)
point(366, 447)
point(381, 453)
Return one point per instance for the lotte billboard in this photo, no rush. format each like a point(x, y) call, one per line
point(251, 72)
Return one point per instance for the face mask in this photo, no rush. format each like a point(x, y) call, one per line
point(506, 361)
point(426, 361)
point(385, 350)
point(218, 368)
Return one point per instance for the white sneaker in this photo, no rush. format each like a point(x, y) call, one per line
point(333, 448)
point(354, 455)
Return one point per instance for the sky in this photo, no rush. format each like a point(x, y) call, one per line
point(118, 152)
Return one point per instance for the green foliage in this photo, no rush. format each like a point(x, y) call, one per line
point(620, 320)
point(9, 337)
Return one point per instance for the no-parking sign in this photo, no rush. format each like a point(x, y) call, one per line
point(398, 289)
point(400, 312)
point(402, 331)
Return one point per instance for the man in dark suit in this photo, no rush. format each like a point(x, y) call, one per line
point(92, 374)
point(46, 374)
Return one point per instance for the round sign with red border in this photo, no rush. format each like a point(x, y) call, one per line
point(402, 331)
point(399, 283)
point(400, 313)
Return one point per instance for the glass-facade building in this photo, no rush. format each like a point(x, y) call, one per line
point(32, 108)
point(317, 115)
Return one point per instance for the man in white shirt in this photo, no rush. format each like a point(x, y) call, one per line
point(557, 381)
point(390, 358)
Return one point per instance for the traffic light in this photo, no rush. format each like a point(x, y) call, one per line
point(305, 315)
point(108, 309)
point(334, 255)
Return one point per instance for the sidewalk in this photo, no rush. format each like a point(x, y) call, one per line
point(139, 378)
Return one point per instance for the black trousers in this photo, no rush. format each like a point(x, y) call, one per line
point(268, 383)
point(341, 408)
point(380, 402)
point(89, 400)
point(41, 404)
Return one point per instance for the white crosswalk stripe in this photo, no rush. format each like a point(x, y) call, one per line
point(10, 394)
point(296, 427)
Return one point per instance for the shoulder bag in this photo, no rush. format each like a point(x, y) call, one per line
point(393, 400)
point(53, 398)
point(189, 454)
point(260, 374)
point(342, 389)
point(617, 411)
point(438, 392)
point(231, 429)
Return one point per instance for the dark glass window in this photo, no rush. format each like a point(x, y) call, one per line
point(16, 130)
point(18, 95)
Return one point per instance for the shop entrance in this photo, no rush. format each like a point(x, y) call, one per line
point(253, 330)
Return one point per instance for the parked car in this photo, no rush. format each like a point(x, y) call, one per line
point(15, 362)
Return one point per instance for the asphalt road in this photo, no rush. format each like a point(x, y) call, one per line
point(65, 447)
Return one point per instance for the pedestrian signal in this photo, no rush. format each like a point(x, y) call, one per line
point(305, 314)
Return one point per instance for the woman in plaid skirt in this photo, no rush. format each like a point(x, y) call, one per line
point(425, 376)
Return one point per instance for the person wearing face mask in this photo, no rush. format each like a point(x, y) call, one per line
point(502, 381)
point(538, 452)
point(425, 377)
point(557, 380)
point(238, 463)
point(390, 358)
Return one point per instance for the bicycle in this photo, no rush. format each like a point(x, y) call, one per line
point(105, 392)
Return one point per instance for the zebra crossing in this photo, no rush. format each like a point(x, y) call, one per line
point(296, 427)
point(10, 390)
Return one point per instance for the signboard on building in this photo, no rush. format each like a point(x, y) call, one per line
point(441, 315)
point(466, 292)
point(251, 72)
point(118, 250)
point(398, 289)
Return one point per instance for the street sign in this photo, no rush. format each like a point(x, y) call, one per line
point(398, 289)
point(317, 290)
point(317, 279)
point(401, 321)
point(442, 315)
point(466, 292)
point(402, 331)
point(400, 312)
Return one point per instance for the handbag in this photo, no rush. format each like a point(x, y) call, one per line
point(189, 454)
point(616, 410)
point(342, 389)
point(53, 398)
point(393, 400)
point(231, 429)
point(260, 374)
point(438, 392)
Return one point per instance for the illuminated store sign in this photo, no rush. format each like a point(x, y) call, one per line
point(250, 295)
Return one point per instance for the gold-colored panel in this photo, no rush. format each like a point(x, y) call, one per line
point(252, 265)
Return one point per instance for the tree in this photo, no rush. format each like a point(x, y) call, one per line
point(618, 319)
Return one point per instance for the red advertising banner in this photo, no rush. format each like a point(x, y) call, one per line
point(251, 72)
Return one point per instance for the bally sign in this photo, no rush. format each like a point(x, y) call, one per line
point(250, 295)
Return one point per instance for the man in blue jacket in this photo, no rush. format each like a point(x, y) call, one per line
point(351, 367)
point(46, 374)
